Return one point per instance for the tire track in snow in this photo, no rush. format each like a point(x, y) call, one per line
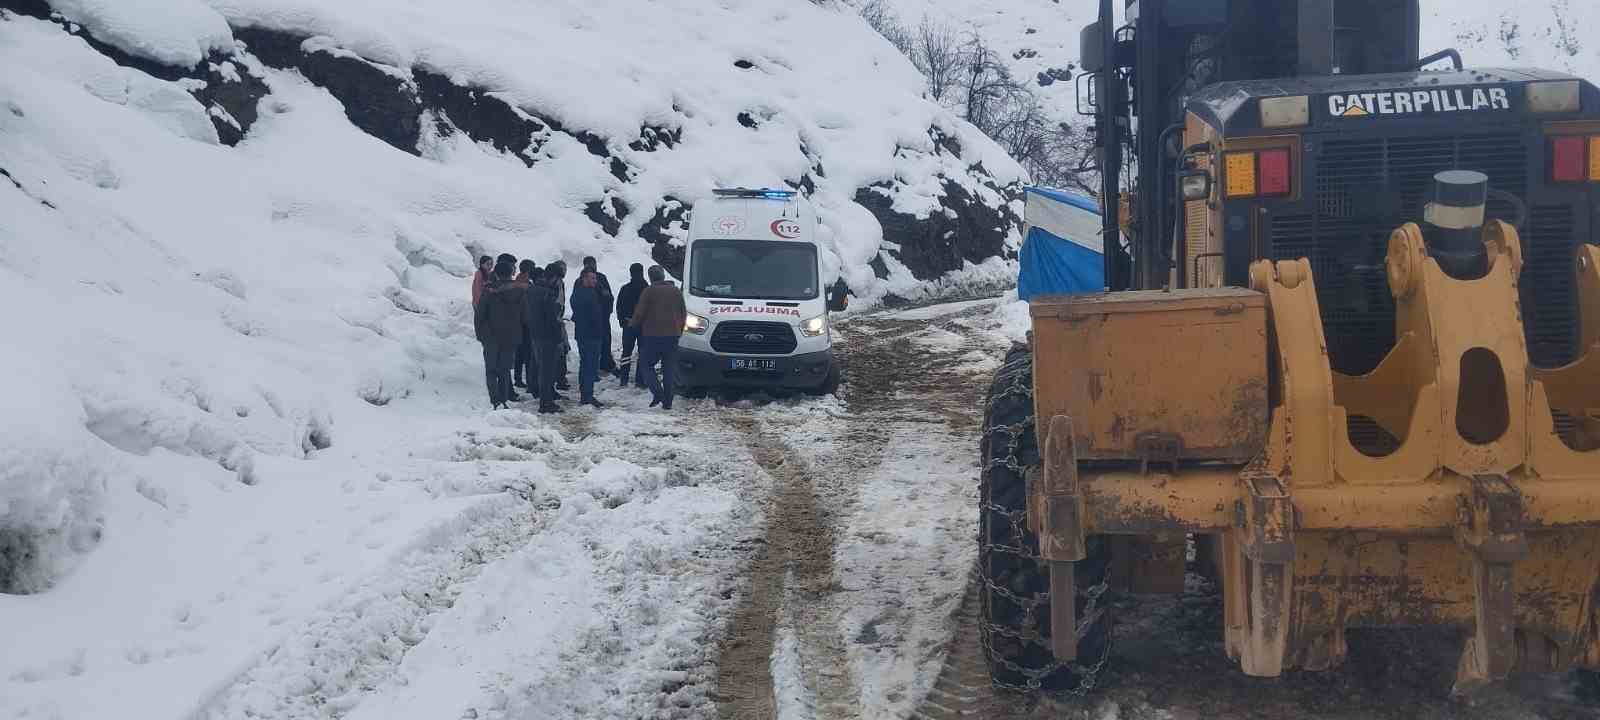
point(789, 580)
point(878, 484)
point(336, 658)
point(326, 666)
point(963, 689)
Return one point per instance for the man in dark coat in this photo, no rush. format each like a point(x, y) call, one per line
point(659, 318)
point(524, 372)
point(627, 300)
point(589, 321)
point(608, 299)
point(544, 321)
point(499, 322)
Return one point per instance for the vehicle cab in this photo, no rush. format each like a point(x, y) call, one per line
point(757, 306)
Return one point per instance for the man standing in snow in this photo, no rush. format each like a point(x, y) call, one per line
point(559, 268)
point(499, 322)
point(627, 300)
point(481, 278)
point(544, 321)
point(524, 372)
point(659, 318)
point(589, 320)
point(608, 300)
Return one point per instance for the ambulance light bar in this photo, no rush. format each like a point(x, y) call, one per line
point(767, 193)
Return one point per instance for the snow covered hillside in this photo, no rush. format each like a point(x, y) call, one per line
point(1041, 36)
point(246, 226)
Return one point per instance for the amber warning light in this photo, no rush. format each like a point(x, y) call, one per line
point(1264, 173)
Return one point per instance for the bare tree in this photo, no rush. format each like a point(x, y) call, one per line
point(992, 99)
point(881, 17)
point(972, 79)
point(937, 51)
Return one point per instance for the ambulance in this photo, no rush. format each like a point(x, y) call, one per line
point(758, 309)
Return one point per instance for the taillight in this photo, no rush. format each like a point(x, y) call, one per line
point(1569, 161)
point(1258, 174)
point(1241, 174)
point(1594, 158)
point(1274, 172)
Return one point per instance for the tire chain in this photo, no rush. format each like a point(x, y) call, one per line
point(1087, 674)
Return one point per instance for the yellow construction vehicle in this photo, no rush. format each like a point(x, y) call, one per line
point(1350, 353)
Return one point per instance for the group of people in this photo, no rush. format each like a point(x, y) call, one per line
point(520, 312)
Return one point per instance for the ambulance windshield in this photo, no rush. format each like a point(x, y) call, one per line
point(753, 269)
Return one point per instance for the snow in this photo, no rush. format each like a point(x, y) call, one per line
point(671, 64)
point(246, 465)
point(245, 445)
point(172, 32)
point(1538, 34)
point(905, 571)
point(231, 306)
point(1544, 34)
point(1010, 319)
point(941, 310)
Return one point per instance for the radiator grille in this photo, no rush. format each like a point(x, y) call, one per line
point(1363, 189)
point(1549, 292)
point(741, 337)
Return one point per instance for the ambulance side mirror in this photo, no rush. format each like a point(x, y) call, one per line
point(837, 300)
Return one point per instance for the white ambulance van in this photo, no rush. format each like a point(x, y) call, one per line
point(758, 309)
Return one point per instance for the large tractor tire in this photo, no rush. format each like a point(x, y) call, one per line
point(1015, 587)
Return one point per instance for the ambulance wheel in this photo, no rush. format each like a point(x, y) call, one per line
point(830, 384)
point(1015, 587)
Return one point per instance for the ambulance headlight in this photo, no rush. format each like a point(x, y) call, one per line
point(815, 326)
point(693, 323)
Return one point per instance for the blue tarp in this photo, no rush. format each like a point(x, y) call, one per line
point(1062, 252)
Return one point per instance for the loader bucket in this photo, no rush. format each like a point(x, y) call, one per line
point(1454, 485)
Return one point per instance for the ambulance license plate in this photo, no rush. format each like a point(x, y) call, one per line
point(751, 364)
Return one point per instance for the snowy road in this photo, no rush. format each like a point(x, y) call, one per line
point(740, 558)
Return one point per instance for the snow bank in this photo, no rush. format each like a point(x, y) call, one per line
point(180, 33)
point(52, 477)
point(755, 93)
point(228, 268)
point(193, 299)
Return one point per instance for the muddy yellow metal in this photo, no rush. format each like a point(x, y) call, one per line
point(1481, 511)
point(1154, 376)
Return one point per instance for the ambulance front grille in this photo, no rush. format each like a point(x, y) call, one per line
point(742, 337)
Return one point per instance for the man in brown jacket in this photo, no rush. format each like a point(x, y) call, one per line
point(659, 318)
point(500, 321)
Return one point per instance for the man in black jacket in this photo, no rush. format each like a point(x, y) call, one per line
point(545, 322)
point(607, 302)
point(627, 300)
point(499, 322)
point(589, 320)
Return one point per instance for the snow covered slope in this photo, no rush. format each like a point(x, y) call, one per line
point(232, 229)
point(1040, 35)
